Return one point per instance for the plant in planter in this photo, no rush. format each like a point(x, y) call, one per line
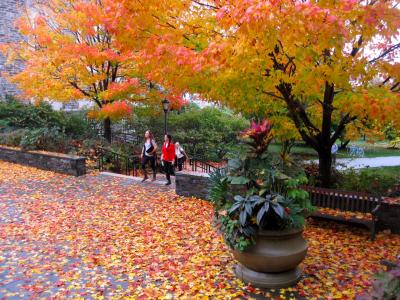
point(261, 213)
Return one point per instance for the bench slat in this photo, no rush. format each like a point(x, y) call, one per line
point(345, 201)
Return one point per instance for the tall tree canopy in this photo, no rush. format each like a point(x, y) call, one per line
point(323, 68)
point(318, 66)
point(87, 49)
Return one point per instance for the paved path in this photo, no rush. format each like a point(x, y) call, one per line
point(105, 237)
point(161, 180)
point(374, 162)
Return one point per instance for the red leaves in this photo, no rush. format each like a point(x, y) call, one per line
point(99, 236)
point(115, 111)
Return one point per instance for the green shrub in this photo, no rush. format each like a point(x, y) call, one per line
point(390, 132)
point(209, 132)
point(4, 124)
point(12, 138)
point(39, 127)
point(77, 126)
point(371, 180)
point(20, 115)
point(50, 139)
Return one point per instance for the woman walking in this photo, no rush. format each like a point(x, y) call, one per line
point(168, 157)
point(149, 152)
point(180, 156)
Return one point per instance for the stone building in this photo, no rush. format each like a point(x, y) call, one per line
point(9, 11)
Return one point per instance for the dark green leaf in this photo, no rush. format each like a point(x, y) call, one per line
point(255, 198)
point(234, 207)
point(239, 180)
point(248, 208)
point(238, 198)
point(279, 210)
point(262, 191)
point(234, 164)
point(243, 217)
point(261, 214)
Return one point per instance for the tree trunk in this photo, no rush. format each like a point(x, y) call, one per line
point(343, 145)
point(107, 129)
point(325, 167)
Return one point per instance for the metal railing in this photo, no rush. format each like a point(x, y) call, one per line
point(121, 132)
point(198, 164)
point(109, 160)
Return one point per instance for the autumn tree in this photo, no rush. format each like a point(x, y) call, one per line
point(330, 66)
point(77, 49)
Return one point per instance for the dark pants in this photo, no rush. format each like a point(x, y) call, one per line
point(151, 159)
point(169, 170)
point(180, 162)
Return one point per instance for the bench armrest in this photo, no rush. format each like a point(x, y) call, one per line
point(375, 210)
point(389, 264)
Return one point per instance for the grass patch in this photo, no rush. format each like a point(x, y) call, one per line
point(383, 171)
point(376, 181)
point(370, 150)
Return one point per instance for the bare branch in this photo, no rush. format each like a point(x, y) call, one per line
point(346, 119)
point(205, 4)
point(386, 52)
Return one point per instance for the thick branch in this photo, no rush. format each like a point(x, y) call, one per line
point(395, 87)
point(342, 125)
point(355, 50)
point(271, 94)
point(298, 115)
point(327, 110)
point(297, 108)
point(75, 85)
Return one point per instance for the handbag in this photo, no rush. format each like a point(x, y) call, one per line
point(151, 149)
point(148, 151)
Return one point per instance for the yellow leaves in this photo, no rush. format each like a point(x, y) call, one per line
point(36, 271)
point(169, 250)
point(338, 296)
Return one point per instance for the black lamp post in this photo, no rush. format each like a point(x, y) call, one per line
point(165, 104)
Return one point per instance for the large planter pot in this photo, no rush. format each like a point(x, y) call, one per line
point(272, 262)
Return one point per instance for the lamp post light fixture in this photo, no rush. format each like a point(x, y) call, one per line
point(165, 104)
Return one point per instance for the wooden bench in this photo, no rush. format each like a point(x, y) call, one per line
point(352, 207)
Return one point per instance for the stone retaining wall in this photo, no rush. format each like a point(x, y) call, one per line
point(192, 184)
point(61, 163)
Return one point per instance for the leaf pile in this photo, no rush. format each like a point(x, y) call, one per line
point(103, 237)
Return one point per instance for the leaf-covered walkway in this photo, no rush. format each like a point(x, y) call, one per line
point(102, 237)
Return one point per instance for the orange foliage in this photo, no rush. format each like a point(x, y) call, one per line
point(86, 49)
point(115, 111)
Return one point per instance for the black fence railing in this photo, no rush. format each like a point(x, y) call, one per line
point(121, 132)
point(109, 160)
point(198, 164)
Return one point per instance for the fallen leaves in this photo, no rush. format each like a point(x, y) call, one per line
point(347, 215)
point(103, 237)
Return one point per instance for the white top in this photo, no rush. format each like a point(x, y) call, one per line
point(147, 146)
point(179, 152)
point(334, 149)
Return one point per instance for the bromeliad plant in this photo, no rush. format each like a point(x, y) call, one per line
point(269, 200)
